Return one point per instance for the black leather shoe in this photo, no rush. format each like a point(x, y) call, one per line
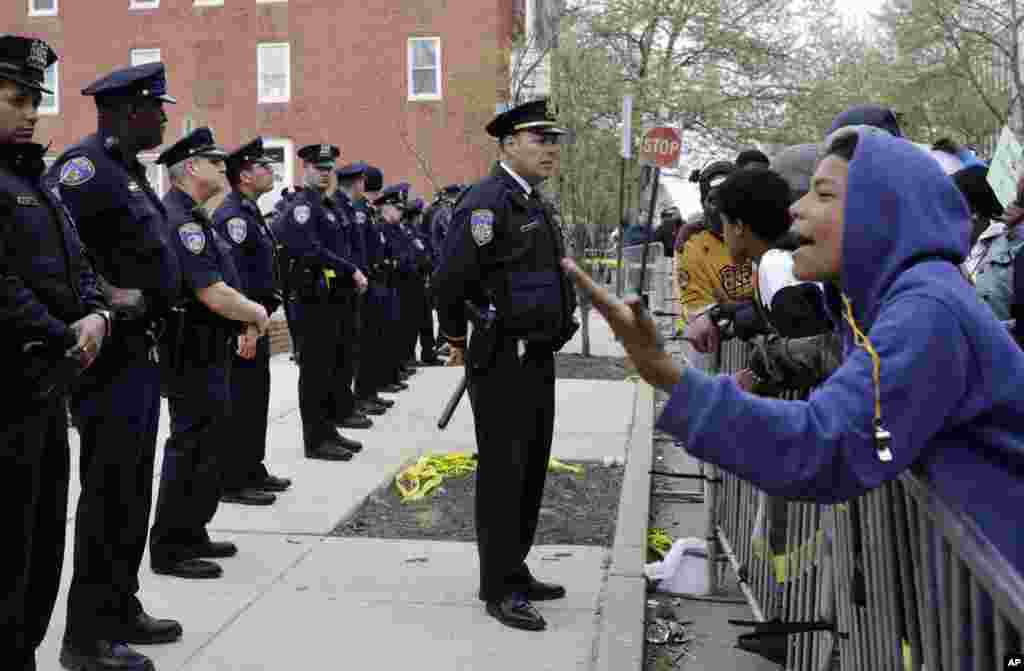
point(515, 611)
point(347, 443)
point(103, 656)
point(215, 550)
point(192, 569)
point(380, 400)
point(329, 450)
point(431, 362)
point(394, 388)
point(544, 591)
point(272, 483)
point(356, 421)
point(248, 497)
point(146, 630)
point(371, 408)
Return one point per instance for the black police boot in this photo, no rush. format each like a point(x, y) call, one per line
point(272, 483)
point(102, 656)
point(356, 421)
point(380, 400)
point(431, 361)
point(328, 450)
point(543, 591)
point(215, 550)
point(145, 630)
point(515, 611)
point(352, 446)
point(248, 497)
point(190, 569)
point(394, 387)
point(370, 408)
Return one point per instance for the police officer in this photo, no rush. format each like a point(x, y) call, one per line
point(505, 250)
point(291, 308)
point(117, 403)
point(53, 318)
point(423, 254)
point(200, 340)
point(438, 217)
point(392, 202)
point(309, 231)
point(244, 477)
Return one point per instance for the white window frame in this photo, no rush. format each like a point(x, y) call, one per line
point(268, 200)
point(32, 11)
point(259, 73)
point(162, 182)
point(52, 110)
point(208, 3)
point(140, 50)
point(438, 80)
point(143, 4)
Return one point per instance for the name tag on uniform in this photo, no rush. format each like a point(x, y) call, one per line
point(133, 186)
point(28, 201)
point(530, 226)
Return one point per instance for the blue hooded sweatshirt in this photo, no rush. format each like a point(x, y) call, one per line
point(950, 374)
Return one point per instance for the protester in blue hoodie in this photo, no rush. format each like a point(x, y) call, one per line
point(926, 364)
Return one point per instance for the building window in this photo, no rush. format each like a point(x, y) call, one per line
point(273, 64)
point(42, 7)
point(425, 68)
point(50, 103)
point(156, 174)
point(208, 3)
point(143, 4)
point(282, 152)
point(143, 56)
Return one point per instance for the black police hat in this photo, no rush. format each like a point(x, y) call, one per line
point(246, 155)
point(352, 170)
point(148, 80)
point(24, 60)
point(197, 143)
point(374, 179)
point(320, 154)
point(395, 194)
point(528, 116)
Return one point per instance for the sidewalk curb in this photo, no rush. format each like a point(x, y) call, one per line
point(620, 635)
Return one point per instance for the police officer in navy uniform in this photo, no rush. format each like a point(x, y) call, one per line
point(201, 337)
point(53, 318)
point(505, 250)
point(392, 202)
point(423, 253)
point(116, 405)
point(438, 217)
point(254, 250)
point(309, 230)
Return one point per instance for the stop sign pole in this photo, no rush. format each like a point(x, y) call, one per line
point(660, 149)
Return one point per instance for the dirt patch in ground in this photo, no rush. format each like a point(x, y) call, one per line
point(576, 510)
point(571, 366)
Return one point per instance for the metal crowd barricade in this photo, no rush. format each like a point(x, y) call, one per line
point(657, 279)
point(906, 582)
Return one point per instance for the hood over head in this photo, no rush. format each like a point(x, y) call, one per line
point(901, 209)
point(867, 115)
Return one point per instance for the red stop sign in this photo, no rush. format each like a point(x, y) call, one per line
point(661, 147)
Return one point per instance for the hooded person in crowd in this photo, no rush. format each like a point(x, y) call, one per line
point(986, 211)
point(930, 378)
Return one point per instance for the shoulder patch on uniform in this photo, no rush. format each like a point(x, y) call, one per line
point(77, 171)
point(237, 229)
point(481, 224)
point(301, 213)
point(192, 237)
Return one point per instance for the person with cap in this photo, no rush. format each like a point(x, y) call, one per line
point(504, 250)
point(752, 158)
point(54, 318)
point(198, 347)
point(438, 216)
point(396, 197)
point(254, 251)
point(325, 283)
point(291, 306)
point(116, 404)
point(665, 233)
point(867, 115)
point(421, 302)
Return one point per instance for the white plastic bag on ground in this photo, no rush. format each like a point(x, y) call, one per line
point(684, 569)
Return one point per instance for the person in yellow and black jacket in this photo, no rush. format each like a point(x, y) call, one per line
point(504, 250)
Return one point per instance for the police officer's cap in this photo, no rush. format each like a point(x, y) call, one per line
point(141, 81)
point(352, 170)
point(247, 155)
point(533, 116)
point(197, 143)
point(320, 155)
point(374, 179)
point(24, 60)
point(393, 195)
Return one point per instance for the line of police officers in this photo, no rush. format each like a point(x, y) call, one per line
point(113, 297)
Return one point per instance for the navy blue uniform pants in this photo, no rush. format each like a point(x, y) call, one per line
point(245, 431)
point(428, 342)
point(293, 317)
point(319, 404)
point(33, 511)
point(369, 377)
point(116, 407)
point(199, 399)
point(349, 347)
point(411, 295)
point(513, 446)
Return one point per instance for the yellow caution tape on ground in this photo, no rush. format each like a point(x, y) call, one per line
point(417, 481)
point(557, 466)
point(658, 542)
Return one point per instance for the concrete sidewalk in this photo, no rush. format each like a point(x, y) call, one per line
point(296, 599)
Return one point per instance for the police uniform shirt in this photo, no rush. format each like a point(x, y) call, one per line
point(310, 230)
point(378, 247)
point(205, 256)
point(48, 283)
point(119, 217)
point(351, 230)
point(505, 245)
point(238, 221)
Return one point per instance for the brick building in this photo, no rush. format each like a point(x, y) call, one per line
point(405, 84)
